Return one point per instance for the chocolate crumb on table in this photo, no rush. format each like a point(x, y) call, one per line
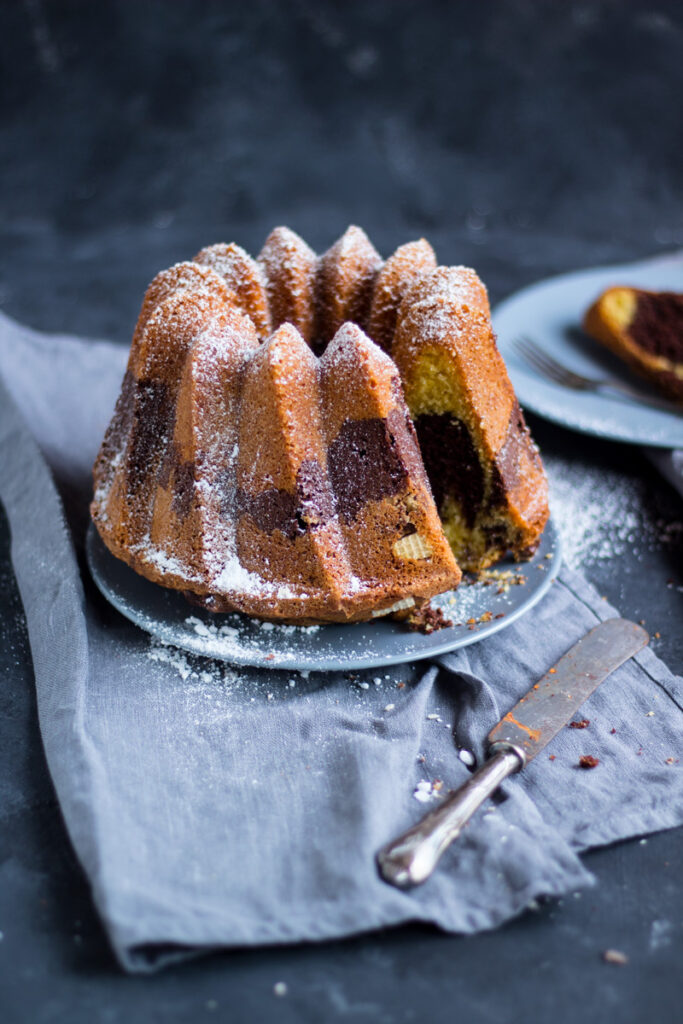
point(581, 723)
point(588, 761)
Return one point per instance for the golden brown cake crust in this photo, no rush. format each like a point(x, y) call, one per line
point(345, 283)
point(613, 321)
point(244, 278)
point(290, 267)
point(399, 273)
point(182, 277)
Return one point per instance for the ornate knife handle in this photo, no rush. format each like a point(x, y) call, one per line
point(410, 859)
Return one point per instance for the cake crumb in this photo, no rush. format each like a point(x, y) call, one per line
point(581, 723)
point(615, 956)
point(428, 620)
point(588, 761)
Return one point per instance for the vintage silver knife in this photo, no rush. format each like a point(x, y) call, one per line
point(518, 737)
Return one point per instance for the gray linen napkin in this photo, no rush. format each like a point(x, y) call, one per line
point(212, 806)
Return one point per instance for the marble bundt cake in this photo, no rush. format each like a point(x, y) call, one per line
point(645, 329)
point(261, 456)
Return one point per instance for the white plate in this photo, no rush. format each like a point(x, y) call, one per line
point(551, 312)
point(243, 641)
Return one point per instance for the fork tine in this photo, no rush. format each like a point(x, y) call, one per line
point(550, 361)
point(542, 356)
point(536, 359)
point(549, 366)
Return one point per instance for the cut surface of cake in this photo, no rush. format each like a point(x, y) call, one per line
point(486, 473)
point(266, 456)
point(645, 329)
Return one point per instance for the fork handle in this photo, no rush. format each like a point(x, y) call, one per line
point(619, 390)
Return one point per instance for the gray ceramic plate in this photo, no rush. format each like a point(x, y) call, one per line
point(550, 312)
point(243, 641)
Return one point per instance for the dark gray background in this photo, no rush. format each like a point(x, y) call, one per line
point(522, 138)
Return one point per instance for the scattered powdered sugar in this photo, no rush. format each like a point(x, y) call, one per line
point(600, 514)
point(206, 683)
point(223, 631)
point(267, 627)
point(426, 791)
point(209, 630)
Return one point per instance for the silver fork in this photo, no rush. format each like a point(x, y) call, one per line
point(549, 367)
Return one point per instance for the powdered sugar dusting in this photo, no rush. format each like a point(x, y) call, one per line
point(163, 561)
point(349, 345)
point(285, 255)
point(427, 791)
point(230, 260)
point(456, 284)
point(600, 514)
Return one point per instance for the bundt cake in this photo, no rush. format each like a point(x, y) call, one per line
point(645, 329)
point(262, 458)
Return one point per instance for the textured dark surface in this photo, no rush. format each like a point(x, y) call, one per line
point(523, 138)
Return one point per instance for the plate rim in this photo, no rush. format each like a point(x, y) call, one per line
point(306, 664)
point(523, 380)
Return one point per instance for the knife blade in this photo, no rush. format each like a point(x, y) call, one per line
point(513, 742)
